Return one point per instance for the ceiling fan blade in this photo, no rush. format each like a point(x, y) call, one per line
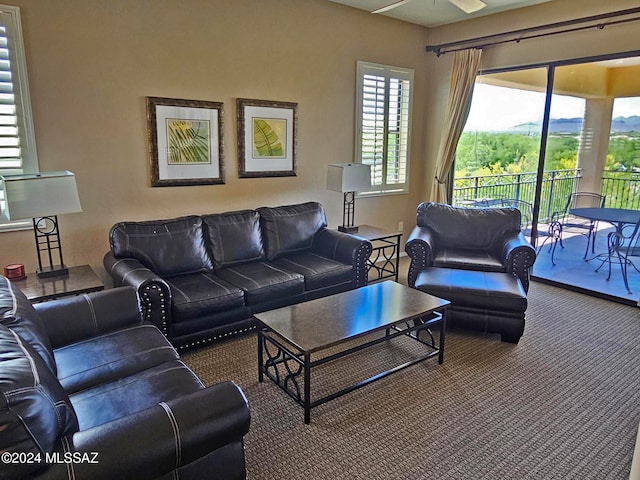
point(469, 6)
point(390, 6)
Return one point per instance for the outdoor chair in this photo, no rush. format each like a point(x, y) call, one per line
point(623, 245)
point(571, 223)
point(551, 231)
point(526, 212)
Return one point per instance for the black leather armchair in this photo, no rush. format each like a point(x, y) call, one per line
point(478, 259)
point(90, 391)
point(483, 239)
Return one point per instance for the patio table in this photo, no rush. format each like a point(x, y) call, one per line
point(618, 217)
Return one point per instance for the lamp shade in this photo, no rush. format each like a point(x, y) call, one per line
point(38, 195)
point(348, 177)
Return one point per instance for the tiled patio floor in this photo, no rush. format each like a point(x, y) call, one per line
point(570, 269)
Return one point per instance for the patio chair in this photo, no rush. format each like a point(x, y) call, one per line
point(623, 245)
point(584, 226)
point(552, 231)
point(526, 212)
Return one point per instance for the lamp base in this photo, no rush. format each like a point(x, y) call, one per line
point(55, 271)
point(351, 229)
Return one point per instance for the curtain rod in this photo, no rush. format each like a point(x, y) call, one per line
point(522, 34)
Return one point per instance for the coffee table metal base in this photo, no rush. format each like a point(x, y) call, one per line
point(295, 365)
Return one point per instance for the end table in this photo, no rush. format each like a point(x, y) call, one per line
point(385, 257)
point(81, 279)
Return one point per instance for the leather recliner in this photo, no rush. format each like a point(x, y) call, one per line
point(478, 259)
point(89, 391)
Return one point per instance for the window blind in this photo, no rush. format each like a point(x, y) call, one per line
point(17, 139)
point(10, 157)
point(383, 116)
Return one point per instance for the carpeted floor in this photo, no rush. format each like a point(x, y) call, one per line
point(562, 404)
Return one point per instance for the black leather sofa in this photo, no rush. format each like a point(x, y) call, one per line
point(89, 391)
point(200, 278)
point(478, 259)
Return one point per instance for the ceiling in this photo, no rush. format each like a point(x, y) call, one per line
point(432, 13)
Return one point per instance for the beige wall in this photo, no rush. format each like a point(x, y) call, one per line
point(92, 63)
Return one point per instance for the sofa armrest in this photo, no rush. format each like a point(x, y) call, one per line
point(419, 247)
point(154, 294)
point(71, 319)
point(345, 248)
point(156, 441)
point(519, 257)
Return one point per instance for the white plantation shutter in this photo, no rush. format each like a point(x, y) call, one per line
point(17, 140)
point(383, 124)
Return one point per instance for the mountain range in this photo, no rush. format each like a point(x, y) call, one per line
point(574, 125)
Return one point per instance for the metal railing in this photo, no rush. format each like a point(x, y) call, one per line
point(622, 189)
point(485, 190)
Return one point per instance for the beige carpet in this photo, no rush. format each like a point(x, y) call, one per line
point(562, 404)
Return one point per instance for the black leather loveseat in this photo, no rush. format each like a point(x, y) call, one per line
point(89, 391)
point(200, 278)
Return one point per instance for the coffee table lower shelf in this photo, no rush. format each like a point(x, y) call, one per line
point(286, 365)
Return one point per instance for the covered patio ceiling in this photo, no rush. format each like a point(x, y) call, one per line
point(602, 79)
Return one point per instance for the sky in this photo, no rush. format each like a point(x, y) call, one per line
point(499, 108)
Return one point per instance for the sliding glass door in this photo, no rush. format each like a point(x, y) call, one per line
point(536, 135)
point(499, 150)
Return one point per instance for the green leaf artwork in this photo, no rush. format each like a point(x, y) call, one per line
point(188, 141)
point(269, 136)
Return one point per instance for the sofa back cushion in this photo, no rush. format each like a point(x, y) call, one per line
point(167, 247)
point(468, 228)
point(290, 228)
point(34, 408)
point(17, 313)
point(234, 237)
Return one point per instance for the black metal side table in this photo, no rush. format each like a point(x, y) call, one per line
point(385, 258)
point(81, 279)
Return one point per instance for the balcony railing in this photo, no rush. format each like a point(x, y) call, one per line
point(622, 189)
point(557, 185)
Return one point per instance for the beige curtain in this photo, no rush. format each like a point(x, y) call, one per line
point(463, 76)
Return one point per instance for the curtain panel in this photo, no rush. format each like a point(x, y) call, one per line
point(463, 76)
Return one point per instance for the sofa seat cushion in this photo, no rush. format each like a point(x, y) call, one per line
point(485, 290)
point(262, 281)
point(318, 271)
point(290, 228)
point(166, 247)
point(110, 356)
point(234, 237)
point(467, 259)
point(125, 396)
point(34, 408)
point(17, 313)
point(199, 293)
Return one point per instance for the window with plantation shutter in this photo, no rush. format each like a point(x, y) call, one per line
point(383, 116)
point(17, 140)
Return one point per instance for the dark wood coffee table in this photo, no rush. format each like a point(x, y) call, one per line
point(289, 337)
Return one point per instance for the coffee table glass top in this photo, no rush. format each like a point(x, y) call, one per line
point(321, 323)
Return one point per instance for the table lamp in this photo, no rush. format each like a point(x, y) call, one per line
point(42, 197)
point(348, 178)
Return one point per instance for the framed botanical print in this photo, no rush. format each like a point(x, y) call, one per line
point(266, 138)
point(185, 142)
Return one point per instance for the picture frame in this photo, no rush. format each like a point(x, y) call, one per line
point(267, 138)
point(186, 144)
